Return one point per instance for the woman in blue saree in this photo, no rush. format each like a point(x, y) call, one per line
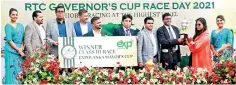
point(221, 41)
point(13, 48)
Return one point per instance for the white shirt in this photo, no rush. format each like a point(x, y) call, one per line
point(42, 32)
point(173, 33)
point(97, 34)
point(84, 28)
point(151, 34)
point(126, 29)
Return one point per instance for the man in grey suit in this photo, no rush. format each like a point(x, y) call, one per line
point(34, 33)
point(59, 27)
point(147, 43)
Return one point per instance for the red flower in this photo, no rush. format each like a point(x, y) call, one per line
point(43, 82)
point(131, 75)
point(90, 79)
point(109, 78)
point(144, 82)
point(121, 74)
point(81, 69)
point(33, 59)
point(154, 74)
point(135, 81)
point(41, 55)
point(151, 82)
point(120, 82)
point(219, 65)
point(227, 62)
point(76, 81)
point(181, 79)
point(194, 78)
point(188, 82)
point(173, 79)
point(126, 80)
point(110, 71)
point(231, 73)
point(56, 78)
point(177, 83)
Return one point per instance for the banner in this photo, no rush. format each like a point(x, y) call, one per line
point(184, 12)
point(97, 51)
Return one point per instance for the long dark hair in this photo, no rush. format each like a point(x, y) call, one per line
point(198, 32)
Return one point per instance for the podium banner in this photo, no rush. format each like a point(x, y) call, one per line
point(97, 51)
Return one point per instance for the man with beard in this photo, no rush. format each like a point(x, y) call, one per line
point(34, 33)
point(82, 26)
point(97, 31)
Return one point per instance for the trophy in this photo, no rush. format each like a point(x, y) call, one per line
point(185, 37)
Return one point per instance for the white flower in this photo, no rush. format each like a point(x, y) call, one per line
point(141, 74)
point(35, 80)
point(38, 60)
point(198, 81)
point(155, 80)
point(129, 81)
point(178, 69)
point(106, 82)
point(83, 80)
point(185, 69)
point(105, 73)
point(87, 75)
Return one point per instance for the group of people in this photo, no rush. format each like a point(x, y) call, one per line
point(161, 45)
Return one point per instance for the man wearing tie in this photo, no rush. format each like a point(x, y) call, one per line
point(169, 38)
point(125, 30)
point(97, 31)
point(34, 33)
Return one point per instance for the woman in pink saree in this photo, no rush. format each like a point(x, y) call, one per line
point(200, 46)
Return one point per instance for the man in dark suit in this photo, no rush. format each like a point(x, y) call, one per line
point(169, 38)
point(125, 30)
point(97, 31)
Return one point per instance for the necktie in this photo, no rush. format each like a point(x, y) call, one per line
point(127, 32)
point(171, 36)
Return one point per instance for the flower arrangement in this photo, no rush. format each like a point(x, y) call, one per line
point(41, 68)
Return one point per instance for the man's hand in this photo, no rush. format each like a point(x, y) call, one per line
point(140, 64)
point(180, 40)
point(55, 43)
point(166, 64)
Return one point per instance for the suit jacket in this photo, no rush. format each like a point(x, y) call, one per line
point(91, 33)
point(78, 28)
point(52, 33)
point(120, 32)
point(145, 47)
point(167, 44)
point(32, 38)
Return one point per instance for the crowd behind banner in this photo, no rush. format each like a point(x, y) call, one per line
point(161, 44)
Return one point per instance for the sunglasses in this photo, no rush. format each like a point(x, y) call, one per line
point(198, 24)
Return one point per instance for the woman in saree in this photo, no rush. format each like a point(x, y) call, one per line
point(13, 48)
point(221, 41)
